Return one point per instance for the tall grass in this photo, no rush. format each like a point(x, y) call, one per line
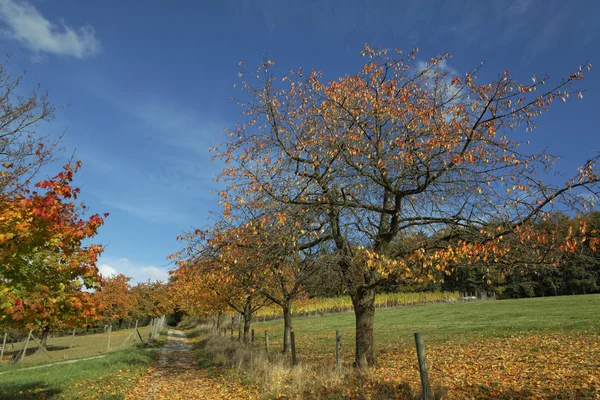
point(275, 377)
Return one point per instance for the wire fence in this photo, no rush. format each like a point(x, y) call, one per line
point(24, 347)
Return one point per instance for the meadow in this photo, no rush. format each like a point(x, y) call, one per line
point(528, 348)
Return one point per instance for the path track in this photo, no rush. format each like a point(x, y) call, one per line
point(176, 375)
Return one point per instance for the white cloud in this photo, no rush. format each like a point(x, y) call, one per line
point(446, 87)
point(24, 23)
point(155, 274)
point(138, 273)
point(442, 65)
point(107, 270)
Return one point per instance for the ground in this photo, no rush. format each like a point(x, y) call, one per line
point(545, 348)
point(177, 375)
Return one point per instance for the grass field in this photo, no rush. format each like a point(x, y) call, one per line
point(60, 349)
point(447, 321)
point(528, 348)
point(108, 377)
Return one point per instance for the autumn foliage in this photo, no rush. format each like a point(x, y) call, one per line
point(115, 300)
point(43, 256)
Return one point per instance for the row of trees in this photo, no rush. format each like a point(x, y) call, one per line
point(395, 175)
point(117, 301)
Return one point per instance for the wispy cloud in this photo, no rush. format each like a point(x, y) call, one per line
point(138, 273)
point(151, 212)
point(25, 24)
point(448, 90)
point(520, 6)
point(165, 120)
point(443, 66)
point(513, 23)
point(161, 171)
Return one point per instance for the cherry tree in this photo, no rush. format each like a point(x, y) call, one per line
point(397, 150)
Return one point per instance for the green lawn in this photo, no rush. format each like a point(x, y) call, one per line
point(108, 377)
point(84, 346)
point(447, 321)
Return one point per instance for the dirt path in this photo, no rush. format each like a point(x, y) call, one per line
point(176, 375)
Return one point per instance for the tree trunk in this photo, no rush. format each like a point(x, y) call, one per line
point(218, 323)
point(247, 321)
point(44, 337)
point(364, 312)
point(287, 326)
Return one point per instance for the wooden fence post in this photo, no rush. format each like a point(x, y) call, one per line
point(3, 346)
point(232, 333)
point(108, 343)
point(25, 345)
point(129, 337)
point(267, 341)
point(140, 336)
point(252, 336)
point(134, 329)
point(40, 347)
point(423, 367)
point(151, 329)
point(293, 340)
point(338, 348)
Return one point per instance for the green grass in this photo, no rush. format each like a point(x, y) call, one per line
point(109, 377)
point(444, 322)
point(83, 346)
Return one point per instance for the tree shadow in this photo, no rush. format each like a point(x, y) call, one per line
point(193, 334)
point(11, 354)
point(27, 391)
point(56, 348)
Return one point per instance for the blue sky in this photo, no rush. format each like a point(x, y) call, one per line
point(148, 85)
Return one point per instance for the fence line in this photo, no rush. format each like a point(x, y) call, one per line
point(78, 343)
